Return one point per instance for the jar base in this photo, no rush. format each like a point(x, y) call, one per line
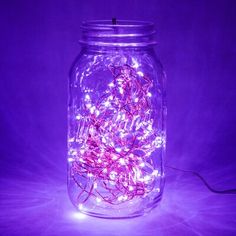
point(117, 217)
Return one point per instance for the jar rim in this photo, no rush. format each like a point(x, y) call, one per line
point(119, 23)
point(121, 33)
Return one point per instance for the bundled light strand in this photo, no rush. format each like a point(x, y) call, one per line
point(117, 138)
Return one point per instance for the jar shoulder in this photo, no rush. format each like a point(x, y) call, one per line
point(145, 62)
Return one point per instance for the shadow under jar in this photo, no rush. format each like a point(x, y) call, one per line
point(116, 121)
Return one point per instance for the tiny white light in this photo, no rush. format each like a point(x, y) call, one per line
point(121, 90)
point(82, 151)
point(97, 112)
point(131, 188)
point(95, 185)
point(122, 161)
point(136, 100)
point(111, 85)
point(120, 198)
point(80, 206)
point(155, 173)
point(146, 178)
point(135, 65)
point(118, 149)
point(87, 97)
point(103, 140)
point(88, 105)
point(107, 103)
point(149, 128)
point(90, 175)
point(140, 73)
point(118, 117)
point(149, 94)
point(142, 164)
point(71, 139)
point(92, 109)
point(98, 199)
point(70, 159)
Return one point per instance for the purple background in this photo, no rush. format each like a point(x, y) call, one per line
point(197, 45)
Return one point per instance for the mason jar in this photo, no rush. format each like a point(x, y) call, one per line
point(116, 121)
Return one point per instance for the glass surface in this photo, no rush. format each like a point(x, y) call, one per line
point(116, 121)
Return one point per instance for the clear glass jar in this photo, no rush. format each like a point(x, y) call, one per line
point(116, 121)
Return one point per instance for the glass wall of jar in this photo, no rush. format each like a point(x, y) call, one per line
point(116, 121)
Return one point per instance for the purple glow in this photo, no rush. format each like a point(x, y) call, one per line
point(121, 138)
point(43, 208)
point(196, 42)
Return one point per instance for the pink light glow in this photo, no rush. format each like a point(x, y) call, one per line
point(117, 139)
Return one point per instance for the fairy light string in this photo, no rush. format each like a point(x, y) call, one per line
point(117, 138)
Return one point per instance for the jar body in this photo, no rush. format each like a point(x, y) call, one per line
point(116, 132)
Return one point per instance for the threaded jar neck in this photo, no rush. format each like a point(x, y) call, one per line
point(118, 33)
